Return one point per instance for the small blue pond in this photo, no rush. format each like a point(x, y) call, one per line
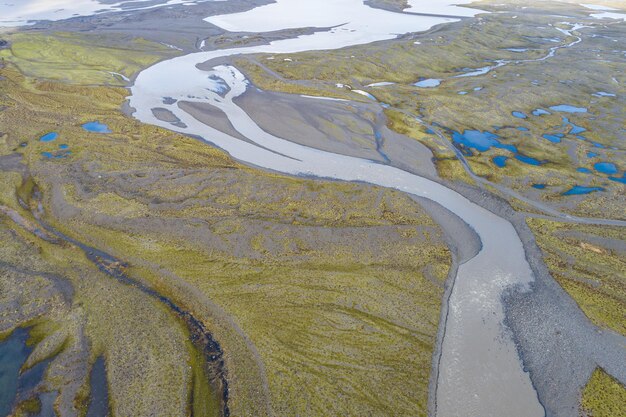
point(566, 108)
point(598, 145)
point(522, 129)
point(430, 131)
point(575, 128)
point(49, 137)
point(580, 190)
point(539, 186)
point(428, 83)
point(591, 154)
point(475, 72)
point(519, 115)
point(540, 112)
point(605, 168)
point(96, 127)
point(63, 146)
point(477, 88)
point(500, 160)
point(462, 93)
point(529, 160)
point(56, 155)
point(584, 170)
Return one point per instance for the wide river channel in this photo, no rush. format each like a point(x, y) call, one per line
point(480, 372)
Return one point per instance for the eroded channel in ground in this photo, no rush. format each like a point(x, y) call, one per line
point(202, 340)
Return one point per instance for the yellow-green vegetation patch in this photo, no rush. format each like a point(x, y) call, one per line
point(82, 59)
point(603, 396)
point(587, 262)
point(150, 363)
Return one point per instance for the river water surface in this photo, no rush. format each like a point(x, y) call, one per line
point(480, 373)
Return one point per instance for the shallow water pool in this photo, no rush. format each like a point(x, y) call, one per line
point(580, 190)
point(481, 141)
point(96, 127)
point(49, 137)
point(566, 108)
point(606, 168)
point(500, 160)
point(556, 138)
point(428, 83)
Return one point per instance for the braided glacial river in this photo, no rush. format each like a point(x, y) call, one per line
point(480, 372)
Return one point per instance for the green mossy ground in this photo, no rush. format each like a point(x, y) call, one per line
point(81, 59)
point(603, 396)
point(581, 259)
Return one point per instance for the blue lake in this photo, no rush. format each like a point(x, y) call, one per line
point(500, 160)
point(481, 141)
point(539, 186)
point(540, 112)
point(519, 115)
point(606, 168)
point(584, 170)
point(49, 137)
point(580, 190)
point(96, 127)
point(566, 108)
